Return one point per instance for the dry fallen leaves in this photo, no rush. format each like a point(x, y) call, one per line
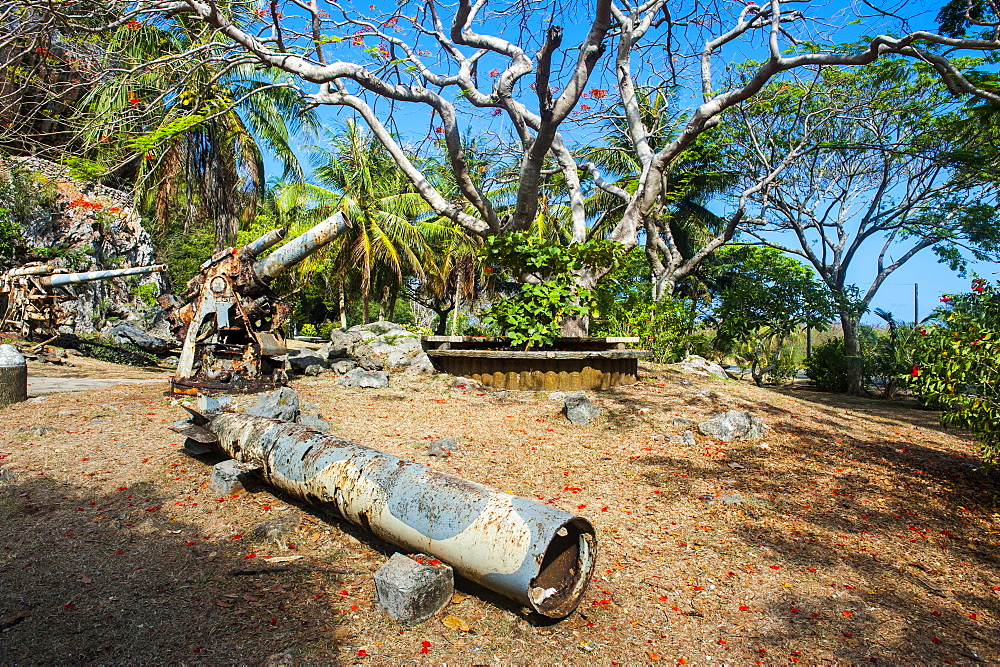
point(455, 623)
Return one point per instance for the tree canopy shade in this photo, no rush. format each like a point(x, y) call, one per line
point(878, 159)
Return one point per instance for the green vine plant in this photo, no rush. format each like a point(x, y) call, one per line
point(548, 294)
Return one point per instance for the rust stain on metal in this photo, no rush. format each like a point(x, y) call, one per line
point(229, 319)
point(35, 300)
point(538, 555)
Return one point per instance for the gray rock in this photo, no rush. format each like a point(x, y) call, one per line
point(314, 421)
point(442, 446)
point(343, 366)
point(300, 360)
point(578, 408)
point(462, 383)
point(681, 421)
point(66, 413)
point(37, 430)
point(171, 362)
point(421, 363)
point(412, 592)
point(279, 529)
point(729, 499)
point(280, 404)
point(379, 328)
point(126, 333)
point(313, 370)
point(688, 438)
point(697, 364)
point(368, 359)
point(732, 425)
point(232, 476)
point(342, 343)
point(557, 395)
point(7, 475)
point(359, 377)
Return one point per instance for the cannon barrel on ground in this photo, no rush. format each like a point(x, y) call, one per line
point(300, 247)
point(87, 276)
point(539, 556)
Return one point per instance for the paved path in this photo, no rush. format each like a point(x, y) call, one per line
point(38, 386)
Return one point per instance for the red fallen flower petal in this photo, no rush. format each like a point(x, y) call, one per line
point(935, 640)
point(814, 569)
point(847, 634)
point(252, 554)
point(795, 611)
point(69, 606)
point(935, 613)
point(425, 644)
point(362, 653)
point(972, 616)
point(775, 567)
point(846, 613)
point(425, 650)
point(743, 607)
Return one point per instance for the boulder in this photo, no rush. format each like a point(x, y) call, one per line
point(421, 364)
point(368, 359)
point(314, 421)
point(343, 366)
point(280, 404)
point(702, 366)
point(300, 360)
point(126, 333)
point(442, 446)
point(578, 408)
point(359, 377)
point(732, 425)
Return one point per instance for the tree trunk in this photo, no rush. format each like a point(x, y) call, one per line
point(852, 354)
point(366, 316)
point(575, 327)
point(343, 306)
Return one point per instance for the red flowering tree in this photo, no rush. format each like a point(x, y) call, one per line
point(956, 363)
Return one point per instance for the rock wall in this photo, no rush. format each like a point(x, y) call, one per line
point(94, 227)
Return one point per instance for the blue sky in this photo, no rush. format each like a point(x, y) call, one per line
point(896, 295)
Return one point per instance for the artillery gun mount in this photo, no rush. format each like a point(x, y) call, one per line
point(230, 320)
point(34, 299)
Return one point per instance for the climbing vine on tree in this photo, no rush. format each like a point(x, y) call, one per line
point(956, 363)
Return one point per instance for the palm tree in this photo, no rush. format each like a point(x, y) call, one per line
point(190, 130)
point(390, 225)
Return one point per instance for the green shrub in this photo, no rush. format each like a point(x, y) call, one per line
point(956, 363)
point(664, 328)
point(23, 197)
point(533, 317)
point(827, 367)
point(308, 329)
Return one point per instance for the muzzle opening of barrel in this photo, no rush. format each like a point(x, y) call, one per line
point(565, 571)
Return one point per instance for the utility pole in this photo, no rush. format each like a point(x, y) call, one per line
point(916, 317)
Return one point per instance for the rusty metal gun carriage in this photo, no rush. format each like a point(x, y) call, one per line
point(34, 298)
point(230, 319)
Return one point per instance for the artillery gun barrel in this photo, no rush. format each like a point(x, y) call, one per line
point(263, 243)
point(88, 276)
point(300, 247)
point(32, 270)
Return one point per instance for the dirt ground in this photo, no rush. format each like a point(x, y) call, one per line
point(856, 531)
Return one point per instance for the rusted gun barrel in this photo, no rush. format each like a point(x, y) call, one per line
point(263, 243)
point(540, 556)
point(300, 247)
point(57, 279)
